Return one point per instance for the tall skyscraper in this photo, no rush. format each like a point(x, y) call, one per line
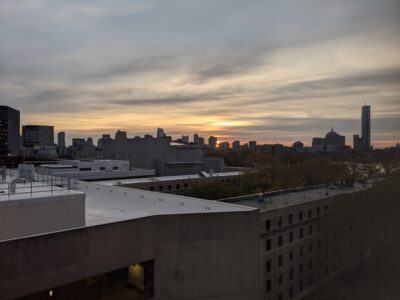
point(38, 135)
point(366, 126)
point(9, 129)
point(61, 140)
point(212, 142)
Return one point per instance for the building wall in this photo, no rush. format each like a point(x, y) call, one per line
point(196, 256)
point(9, 129)
point(43, 214)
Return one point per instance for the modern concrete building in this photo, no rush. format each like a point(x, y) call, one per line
point(174, 184)
point(149, 245)
point(9, 130)
point(93, 170)
point(166, 157)
point(37, 135)
point(135, 244)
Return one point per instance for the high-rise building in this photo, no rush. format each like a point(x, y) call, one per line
point(366, 127)
point(212, 142)
point(61, 140)
point(160, 133)
point(236, 146)
point(9, 129)
point(357, 141)
point(252, 145)
point(37, 135)
point(196, 138)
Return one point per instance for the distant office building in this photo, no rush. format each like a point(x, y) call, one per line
point(332, 138)
point(104, 140)
point(201, 141)
point(196, 138)
point(185, 139)
point(357, 142)
point(9, 129)
point(120, 135)
point(160, 133)
point(318, 142)
point(166, 157)
point(236, 146)
point(366, 126)
point(252, 145)
point(224, 147)
point(212, 142)
point(37, 135)
point(332, 142)
point(61, 140)
point(82, 148)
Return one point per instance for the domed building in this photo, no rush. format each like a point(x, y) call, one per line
point(332, 138)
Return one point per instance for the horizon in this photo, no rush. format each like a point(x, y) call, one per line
point(261, 72)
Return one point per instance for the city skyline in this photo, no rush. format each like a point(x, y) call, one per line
point(263, 72)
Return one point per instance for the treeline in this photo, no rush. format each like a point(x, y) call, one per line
point(274, 174)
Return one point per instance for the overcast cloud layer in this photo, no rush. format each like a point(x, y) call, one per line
point(271, 70)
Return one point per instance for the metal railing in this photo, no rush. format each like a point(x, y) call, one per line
point(31, 183)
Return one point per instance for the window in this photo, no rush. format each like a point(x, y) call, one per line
point(85, 169)
point(318, 227)
point(268, 244)
point(280, 260)
point(178, 186)
point(301, 251)
point(319, 244)
point(280, 241)
point(300, 233)
point(102, 168)
point(291, 255)
point(268, 225)
point(290, 218)
point(185, 185)
point(310, 247)
point(151, 188)
point(310, 213)
point(318, 211)
point(310, 264)
point(268, 285)
point(291, 274)
point(268, 266)
point(300, 216)
point(301, 286)
point(290, 236)
point(280, 280)
point(280, 222)
point(310, 230)
point(160, 188)
point(326, 207)
point(310, 280)
point(115, 168)
point(169, 187)
point(301, 269)
point(280, 296)
point(291, 292)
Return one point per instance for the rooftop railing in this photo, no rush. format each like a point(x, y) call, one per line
point(22, 182)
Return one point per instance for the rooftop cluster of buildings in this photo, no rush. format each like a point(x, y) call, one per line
point(110, 238)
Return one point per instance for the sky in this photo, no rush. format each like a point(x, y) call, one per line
point(275, 71)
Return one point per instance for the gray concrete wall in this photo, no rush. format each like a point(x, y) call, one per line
point(41, 215)
point(196, 256)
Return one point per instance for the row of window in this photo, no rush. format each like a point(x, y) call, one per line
point(291, 256)
point(290, 237)
point(291, 288)
point(169, 187)
point(291, 218)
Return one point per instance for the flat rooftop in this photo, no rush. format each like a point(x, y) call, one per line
point(109, 204)
point(163, 178)
point(280, 199)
